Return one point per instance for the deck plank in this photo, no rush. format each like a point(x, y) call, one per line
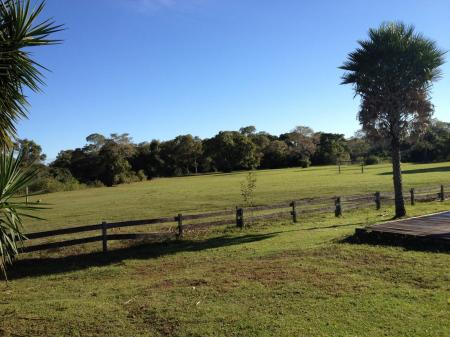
point(433, 226)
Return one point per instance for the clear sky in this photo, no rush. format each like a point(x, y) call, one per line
point(160, 68)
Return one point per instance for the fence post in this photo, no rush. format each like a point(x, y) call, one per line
point(105, 236)
point(442, 194)
point(180, 225)
point(294, 212)
point(378, 200)
point(239, 217)
point(26, 195)
point(362, 167)
point(339, 166)
point(338, 209)
point(413, 198)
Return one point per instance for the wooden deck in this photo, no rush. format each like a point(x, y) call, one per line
point(427, 228)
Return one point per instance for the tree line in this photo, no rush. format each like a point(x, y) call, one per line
point(108, 161)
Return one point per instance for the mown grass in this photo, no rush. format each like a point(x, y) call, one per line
point(270, 279)
point(170, 196)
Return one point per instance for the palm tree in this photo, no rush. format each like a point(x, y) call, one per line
point(393, 72)
point(19, 30)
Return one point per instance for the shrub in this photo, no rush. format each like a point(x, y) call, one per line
point(305, 163)
point(141, 175)
point(129, 177)
point(248, 187)
point(96, 183)
point(372, 160)
point(51, 184)
point(55, 180)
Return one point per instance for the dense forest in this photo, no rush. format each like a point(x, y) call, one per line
point(107, 161)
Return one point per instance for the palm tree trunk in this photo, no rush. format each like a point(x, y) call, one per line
point(397, 175)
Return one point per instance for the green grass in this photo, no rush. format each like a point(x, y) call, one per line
point(269, 280)
point(170, 196)
point(272, 279)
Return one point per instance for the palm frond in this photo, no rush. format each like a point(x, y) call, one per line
point(13, 178)
point(19, 30)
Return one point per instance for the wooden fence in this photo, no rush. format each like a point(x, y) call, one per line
point(239, 216)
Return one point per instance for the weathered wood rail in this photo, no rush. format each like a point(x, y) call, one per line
point(182, 223)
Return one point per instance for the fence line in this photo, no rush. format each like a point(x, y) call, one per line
point(238, 217)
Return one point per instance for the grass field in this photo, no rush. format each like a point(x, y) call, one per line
point(170, 196)
point(271, 279)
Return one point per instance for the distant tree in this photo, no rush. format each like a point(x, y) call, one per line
point(187, 151)
point(302, 143)
point(95, 142)
point(261, 140)
point(432, 145)
point(393, 72)
point(155, 162)
point(248, 130)
point(358, 147)
point(141, 158)
point(275, 155)
point(232, 150)
point(115, 156)
point(85, 166)
point(331, 149)
point(32, 152)
point(32, 158)
point(63, 160)
point(121, 138)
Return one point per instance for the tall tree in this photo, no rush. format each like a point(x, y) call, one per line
point(231, 150)
point(248, 130)
point(32, 152)
point(187, 151)
point(302, 142)
point(393, 72)
point(331, 149)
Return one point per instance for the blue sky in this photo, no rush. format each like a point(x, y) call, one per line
point(160, 68)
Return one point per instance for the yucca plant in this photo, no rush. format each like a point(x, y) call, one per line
point(19, 31)
point(13, 178)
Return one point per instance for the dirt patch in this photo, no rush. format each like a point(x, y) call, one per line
point(151, 320)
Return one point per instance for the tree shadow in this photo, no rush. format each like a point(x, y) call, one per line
point(32, 267)
point(424, 244)
point(422, 170)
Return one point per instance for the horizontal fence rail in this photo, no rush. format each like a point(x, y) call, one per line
point(238, 217)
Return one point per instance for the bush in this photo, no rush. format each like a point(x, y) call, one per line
point(51, 184)
point(305, 163)
point(141, 175)
point(372, 160)
point(55, 180)
point(129, 177)
point(96, 183)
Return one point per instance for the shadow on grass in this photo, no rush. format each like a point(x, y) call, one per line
point(424, 244)
point(31, 267)
point(423, 170)
point(329, 227)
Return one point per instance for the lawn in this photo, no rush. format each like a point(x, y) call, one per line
point(275, 279)
point(270, 279)
point(170, 196)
